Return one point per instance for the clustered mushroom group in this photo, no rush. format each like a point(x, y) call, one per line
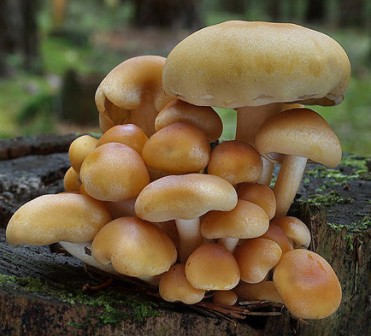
point(157, 197)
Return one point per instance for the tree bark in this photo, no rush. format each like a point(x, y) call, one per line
point(41, 289)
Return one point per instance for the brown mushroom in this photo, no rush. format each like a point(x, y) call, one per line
point(53, 218)
point(307, 284)
point(174, 286)
point(128, 134)
point(261, 291)
point(295, 230)
point(185, 198)
point(134, 247)
point(247, 220)
point(79, 149)
point(299, 134)
point(202, 117)
point(256, 257)
point(114, 172)
point(132, 93)
point(236, 162)
point(71, 180)
point(177, 149)
point(259, 194)
point(269, 65)
point(225, 297)
point(212, 267)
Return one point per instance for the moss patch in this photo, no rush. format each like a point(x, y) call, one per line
point(115, 304)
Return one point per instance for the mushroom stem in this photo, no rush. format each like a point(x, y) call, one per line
point(189, 236)
point(288, 182)
point(249, 120)
point(144, 116)
point(83, 252)
point(267, 172)
point(229, 243)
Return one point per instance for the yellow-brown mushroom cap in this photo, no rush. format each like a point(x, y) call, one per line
point(174, 286)
point(177, 148)
point(256, 257)
point(259, 194)
point(203, 117)
point(52, 218)
point(307, 284)
point(79, 149)
point(236, 162)
point(299, 132)
point(184, 196)
point(212, 267)
point(132, 93)
point(114, 172)
point(246, 220)
point(240, 63)
point(134, 247)
point(295, 230)
point(127, 134)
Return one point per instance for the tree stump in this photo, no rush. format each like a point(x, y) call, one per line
point(46, 292)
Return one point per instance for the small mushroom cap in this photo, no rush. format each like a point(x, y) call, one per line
point(225, 297)
point(295, 230)
point(128, 134)
point(246, 220)
point(279, 236)
point(178, 148)
point(261, 291)
point(203, 117)
point(236, 162)
point(79, 149)
point(174, 286)
point(114, 172)
point(259, 194)
point(71, 180)
point(267, 63)
point(52, 218)
point(134, 247)
point(184, 196)
point(307, 284)
point(299, 132)
point(256, 257)
point(212, 267)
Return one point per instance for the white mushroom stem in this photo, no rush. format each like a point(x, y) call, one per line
point(83, 253)
point(229, 243)
point(249, 120)
point(266, 177)
point(288, 182)
point(189, 236)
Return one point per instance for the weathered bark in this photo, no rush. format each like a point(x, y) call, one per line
point(40, 290)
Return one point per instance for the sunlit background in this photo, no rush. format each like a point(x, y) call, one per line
point(53, 54)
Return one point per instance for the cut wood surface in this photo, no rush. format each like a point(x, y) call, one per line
point(41, 288)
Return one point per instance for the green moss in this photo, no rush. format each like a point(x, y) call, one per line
point(110, 300)
point(327, 199)
point(356, 227)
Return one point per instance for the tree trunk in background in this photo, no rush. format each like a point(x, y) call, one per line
point(19, 36)
point(315, 12)
point(167, 13)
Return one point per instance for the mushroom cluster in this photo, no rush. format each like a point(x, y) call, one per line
point(157, 197)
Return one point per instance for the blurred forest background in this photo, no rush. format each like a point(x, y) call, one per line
point(53, 54)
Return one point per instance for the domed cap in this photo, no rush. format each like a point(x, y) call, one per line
point(239, 63)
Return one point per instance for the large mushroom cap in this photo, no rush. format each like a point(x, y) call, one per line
point(239, 63)
point(52, 218)
point(307, 284)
